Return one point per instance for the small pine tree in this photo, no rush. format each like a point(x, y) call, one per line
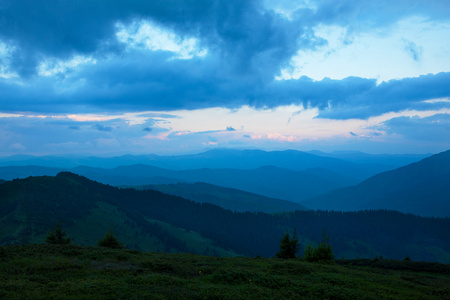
point(57, 236)
point(110, 241)
point(288, 246)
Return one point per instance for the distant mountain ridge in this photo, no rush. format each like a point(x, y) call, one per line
point(232, 199)
point(421, 188)
point(364, 166)
point(394, 160)
point(269, 181)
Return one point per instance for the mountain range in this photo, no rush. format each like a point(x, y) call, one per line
point(268, 181)
point(153, 221)
point(421, 188)
point(356, 165)
point(232, 199)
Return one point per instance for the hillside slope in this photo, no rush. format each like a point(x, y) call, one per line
point(421, 188)
point(30, 207)
point(227, 198)
point(153, 221)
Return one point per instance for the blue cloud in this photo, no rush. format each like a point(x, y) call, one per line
point(240, 32)
point(229, 128)
point(413, 50)
point(394, 95)
point(435, 128)
point(212, 139)
point(247, 46)
point(360, 15)
point(178, 85)
point(101, 127)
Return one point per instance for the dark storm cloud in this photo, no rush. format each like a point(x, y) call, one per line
point(240, 32)
point(247, 46)
point(192, 84)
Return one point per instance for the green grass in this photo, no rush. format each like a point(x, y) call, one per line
point(75, 272)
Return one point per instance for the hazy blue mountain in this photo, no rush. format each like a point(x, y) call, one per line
point(268, 181)
point(391, 160)
point(356, 165)
point(71, 161)
point(421, 188)
point(153, 221)
point(227, 198)
point(13, 172)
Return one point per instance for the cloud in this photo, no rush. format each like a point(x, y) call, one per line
point(145, 35)
point(435, 128)
point(97, 56)
point(358, 16)
point(101, 127)
point(17, 146)
point(413, 50)
point(136, 70)
point(240, 31)
point(392, 96)
point(213, 139)
point(158, 85)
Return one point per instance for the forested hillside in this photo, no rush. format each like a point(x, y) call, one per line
point(227, 198)
point(152, 221)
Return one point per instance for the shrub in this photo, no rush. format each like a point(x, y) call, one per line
point(57, 236)
point(322, 252)
point(110, 241)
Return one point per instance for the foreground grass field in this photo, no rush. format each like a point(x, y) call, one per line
point(74, 272)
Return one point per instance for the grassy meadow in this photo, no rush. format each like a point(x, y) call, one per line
point(76, 272)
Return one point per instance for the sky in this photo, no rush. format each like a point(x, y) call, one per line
point(171, 77)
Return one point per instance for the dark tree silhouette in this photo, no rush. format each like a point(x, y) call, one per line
point(110, 241)
point(289, 246)
point(57, 235)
